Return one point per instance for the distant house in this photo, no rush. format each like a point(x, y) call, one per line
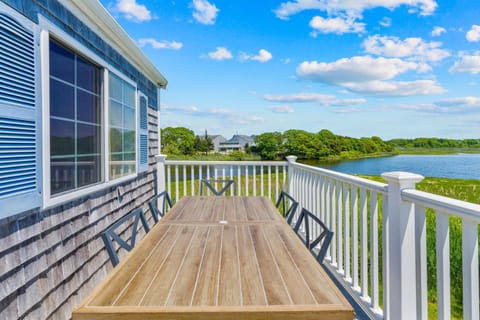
point(237, 143)
point(217, 140)
point(78, 135)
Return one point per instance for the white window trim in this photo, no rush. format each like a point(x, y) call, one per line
point(47, 28)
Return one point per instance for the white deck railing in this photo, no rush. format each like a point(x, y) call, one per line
point(379, 247)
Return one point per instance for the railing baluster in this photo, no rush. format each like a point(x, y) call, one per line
point(470, 270)
point(169, 178)
point(192, 179)
point(339, 227)
point(239, 175)
point(346, 232)
point(354, 197)
point(374, 250)
point(276, 182)
point(269, 182)
point(363, 244)
point(328, 213)
point(246, 181)
point(421, 259)
point(333, 208)
point(443, 266)
point(261, 181)
point(231, 178)
point(254, 180)
point(184, 180)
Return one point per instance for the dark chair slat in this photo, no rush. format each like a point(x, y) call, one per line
point(226, 185)
point(323, 239)
point(159, 211)
point(110, 234)
point(287, 205)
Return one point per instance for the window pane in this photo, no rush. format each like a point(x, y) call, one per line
point(116, 118)
point(129, 95)
point(88, 138)
point(88, 75)
point(62, 137)
point(115, 87)
point(62, 175)
point(129, 141)
point(88, 107)
point(88, 170)
point(116, 144)
point(129, 160)
point(61, 62)
point(62, 99)
point(129, 118)
point(116, 165)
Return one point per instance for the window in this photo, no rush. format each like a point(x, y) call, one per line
point(75, 120)
point(122, 128)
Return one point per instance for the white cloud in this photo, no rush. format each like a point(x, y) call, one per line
point(468, 64)
point(322, 99)
point(412, 48)
point(395, 88)
point(286, 9)
point(355, 69)
point(386, 22)
point(473, 35)
point(160, 44)
point(262, 56)
point(180, 109)
point(221, 53)
point(133, 11)
point(437, 31)
point(204, 12)
point(466, 102)
point(338, 25)
point(281, 109)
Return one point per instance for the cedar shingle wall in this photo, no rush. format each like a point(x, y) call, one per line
point(50, 260)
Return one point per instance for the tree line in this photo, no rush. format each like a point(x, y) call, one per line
point(306, 145)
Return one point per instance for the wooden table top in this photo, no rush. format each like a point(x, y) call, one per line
point(218, 258)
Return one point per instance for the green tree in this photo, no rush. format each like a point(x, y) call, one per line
point(268, 145)
point(303, 144)
point(177, 141)
point(203, 144)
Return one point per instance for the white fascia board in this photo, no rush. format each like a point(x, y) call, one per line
point(95, 16)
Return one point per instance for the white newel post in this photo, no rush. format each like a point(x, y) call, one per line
point(160, 159)
point(400, 284)
point(291, 160)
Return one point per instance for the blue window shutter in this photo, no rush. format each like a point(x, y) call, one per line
point(142, 133)
point(20, 174)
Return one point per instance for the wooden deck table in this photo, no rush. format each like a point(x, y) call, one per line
point(218, 258)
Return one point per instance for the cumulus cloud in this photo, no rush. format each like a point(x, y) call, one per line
point(473, 35)
point(132, 10)
point(204, 12)
point(180, 109)
point(467, 64)
point(281, 109)
point(338, 25)
point(287, 9)
point(395, 88)
point(411, 48)
point(160, 44)
point(437, 31)
point(221, 53)
point(322, 99)
point(355, 69)
point(226, 115)
point(262, 56)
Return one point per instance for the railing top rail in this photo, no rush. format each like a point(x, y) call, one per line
point(228, 163)
point(357, 181)
point(462, 209)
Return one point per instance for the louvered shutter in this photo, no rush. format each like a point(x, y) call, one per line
point(19, 136)
point(142, 133)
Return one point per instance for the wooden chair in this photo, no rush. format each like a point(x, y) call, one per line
point(287, 205)
point(324, 238)
point(111, 235)
point(158, 211)
point(226, 185)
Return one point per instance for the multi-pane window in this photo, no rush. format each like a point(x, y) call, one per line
point(122, 128)
point(75, 120)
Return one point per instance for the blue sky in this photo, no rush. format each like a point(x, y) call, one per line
point(388, 68)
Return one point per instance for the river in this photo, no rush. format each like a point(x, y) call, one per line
point(462, 166)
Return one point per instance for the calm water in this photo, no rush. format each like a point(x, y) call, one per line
point(462, 166)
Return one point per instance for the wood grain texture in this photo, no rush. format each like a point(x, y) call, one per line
point(218, 258)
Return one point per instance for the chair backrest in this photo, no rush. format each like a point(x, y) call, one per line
point(210, 184)
point(159, 205)
point(111, 234)
point(324, 237)
point(287, 205)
